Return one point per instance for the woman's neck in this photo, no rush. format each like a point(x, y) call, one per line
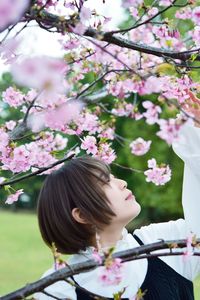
point(109, 237)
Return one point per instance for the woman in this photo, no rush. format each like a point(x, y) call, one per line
point(82, 207)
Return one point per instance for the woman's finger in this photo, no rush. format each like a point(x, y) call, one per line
point(193, 97)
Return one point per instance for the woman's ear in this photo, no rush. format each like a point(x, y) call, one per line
point(78, 216)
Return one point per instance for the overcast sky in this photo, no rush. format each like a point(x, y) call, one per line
point(37, 41)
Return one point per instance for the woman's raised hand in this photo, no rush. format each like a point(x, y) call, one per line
point(192, 106)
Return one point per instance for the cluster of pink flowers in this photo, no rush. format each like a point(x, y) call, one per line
point(140, 146)
point(111, 274)
point(107, 133)
point(184, 13)
point(8, 50)
point(168, 38)
point(31, 155)
point(13, 97)
point(3, 141)
point(165, 2)
point(152, 112)
point(41, 73)
point(86, 122)
point(196, 15)
point(169, 130)
point(106, 153)
point(177, 88)
point(89, 144)
point(124, 109)
point(131, 3)
point(14, 197)
point(159, 175)
point(100, 150)
point(195, 33)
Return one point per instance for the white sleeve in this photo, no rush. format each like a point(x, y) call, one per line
point(188, 148)
point(60, 289)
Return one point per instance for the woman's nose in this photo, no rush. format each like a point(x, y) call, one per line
point(123, 184)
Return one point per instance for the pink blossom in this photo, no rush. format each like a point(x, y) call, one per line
point(11, 11)
point(96, 256)
point(153, 11)
point(80, 28)
point(152, 112)
point(59, 265)
point(189, 250)
point(14, 197)
point(88, 122)
point(18, 161)
point(177, 88)
point(106, 153)
point(169, 130)
point(127, 110)
point(140, 146)
point(57, 118)
point(161, 31)
point(196, 35)
point(31, 95)
point(13, 97)
point(196, 15)
point(85, 14)
point(165, 2)
point(159, 175)
point(8, 50)
point(4, 140)
point(89, 144)
point(152, 85)
point(60, 143)
point(71, 44)
point(111, 274)
point(108, 133)
point(152, 163)
point(42, 73)
point(130, 3)
point(184, 13)
point(134, 12)
point(10, 125)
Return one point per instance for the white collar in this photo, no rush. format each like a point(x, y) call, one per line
point(120, 244)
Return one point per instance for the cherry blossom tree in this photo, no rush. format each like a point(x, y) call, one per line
point(122, 69)
point(104, 75)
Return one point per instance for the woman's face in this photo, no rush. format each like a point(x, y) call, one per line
point(122, 201)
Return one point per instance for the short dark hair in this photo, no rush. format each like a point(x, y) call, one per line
point(78, 183)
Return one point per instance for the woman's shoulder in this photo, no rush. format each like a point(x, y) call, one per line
point(165, 230)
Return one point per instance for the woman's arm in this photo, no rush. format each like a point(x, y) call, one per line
point(188, 149)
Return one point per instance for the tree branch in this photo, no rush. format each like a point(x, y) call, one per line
point(39, 171)
point(126, 255)
point(136, 25)
point(65, 25)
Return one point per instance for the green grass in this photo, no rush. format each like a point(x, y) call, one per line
point(23, 255)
